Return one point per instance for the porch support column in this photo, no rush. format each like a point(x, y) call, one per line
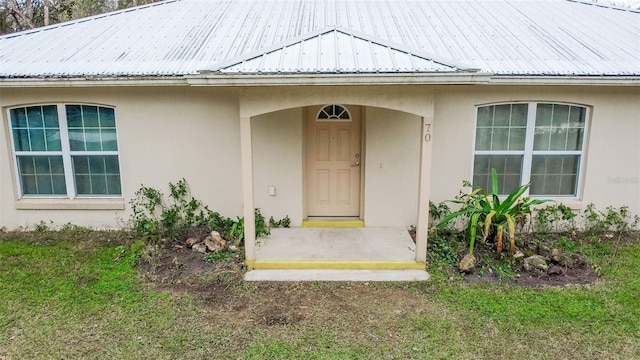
point(424, 187)
point(247, 190)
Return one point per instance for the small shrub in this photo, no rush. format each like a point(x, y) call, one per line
point(441, 246)
point(237, 229)
point(153, 215)
point(437, 212)
point(282, 223)
point(43, 227)
point(555, 218)
point(618, 220)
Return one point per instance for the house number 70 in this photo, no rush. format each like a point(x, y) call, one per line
point(427, 130)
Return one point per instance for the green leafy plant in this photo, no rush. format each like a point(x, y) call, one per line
point(154, 215)
point(262, 229)
point(557, 217)
point(218, 256)
point(282, 223)
point(486, 211)
point(619, 220)
point(437, 212)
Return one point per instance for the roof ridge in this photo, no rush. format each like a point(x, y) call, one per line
point(85, 19)
point(216, 67)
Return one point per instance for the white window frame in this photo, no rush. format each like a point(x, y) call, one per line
point(66, 153)
point(528, 151)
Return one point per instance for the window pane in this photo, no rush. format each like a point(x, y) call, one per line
point(81, 164)
point(558, 139)
point(96, 164)
point(574, 138)
point(27, 165)
point(76, 140)
point(577, 116)
point(90, 116)
point(50, 114)
point(21, 140)
point(111, 165)
point(517, 138)
point(83, 184)
point(92, 138)
point(53, 139)
point(554, 174)
point(485, 116)
point(97, 175)
point(34, 117)
point(74, 116)
point(29, 185)
point(18, 118)
point(502, 115)
point(560, 115)
point(483, 139)
point(45, 185)
point(38, 141)
point(508, 168)
point(113, 184)
point(107, 117)
point(500, 139)
point(98, 185)
point(41, 175)
point(519, 114)
point(109, 141)
point(543, 114)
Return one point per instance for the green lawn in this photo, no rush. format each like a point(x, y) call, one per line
point(69, 299)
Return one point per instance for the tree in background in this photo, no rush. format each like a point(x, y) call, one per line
point(18, 15)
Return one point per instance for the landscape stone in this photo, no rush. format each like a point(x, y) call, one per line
point(199, 247)
point(191, 241)
point(536, 263)
point(467, 263)
point(554, 255)
point(556, 270)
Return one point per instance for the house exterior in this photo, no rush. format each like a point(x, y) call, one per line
point(313, 109)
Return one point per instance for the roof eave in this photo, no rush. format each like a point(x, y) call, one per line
point(245, 80)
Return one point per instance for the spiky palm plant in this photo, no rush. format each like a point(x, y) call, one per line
point(486, 211)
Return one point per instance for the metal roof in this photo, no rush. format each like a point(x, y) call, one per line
point(336, 50)
point(186, 37)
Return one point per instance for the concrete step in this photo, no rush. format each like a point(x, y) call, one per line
point(336, 275)
point(334, 265)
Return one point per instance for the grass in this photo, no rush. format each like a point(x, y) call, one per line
point(77, 295)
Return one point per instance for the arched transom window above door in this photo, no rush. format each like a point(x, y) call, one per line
point(334, 113)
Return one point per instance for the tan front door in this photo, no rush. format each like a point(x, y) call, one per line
point(333, 161)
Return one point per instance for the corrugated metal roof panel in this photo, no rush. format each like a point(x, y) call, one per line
point(182, 37)
point(335, 51)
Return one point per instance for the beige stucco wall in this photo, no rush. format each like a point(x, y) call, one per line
point(277, 161)
point(392, 158)
point(169, 133)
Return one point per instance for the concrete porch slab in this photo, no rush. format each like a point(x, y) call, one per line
point(336, 275)
point(371, 248)
point(370, 244)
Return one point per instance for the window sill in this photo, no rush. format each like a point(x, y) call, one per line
point(70, 204)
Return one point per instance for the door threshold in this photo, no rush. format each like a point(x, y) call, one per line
point(333, 222)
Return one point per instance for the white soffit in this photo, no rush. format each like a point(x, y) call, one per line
point(335, 50)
